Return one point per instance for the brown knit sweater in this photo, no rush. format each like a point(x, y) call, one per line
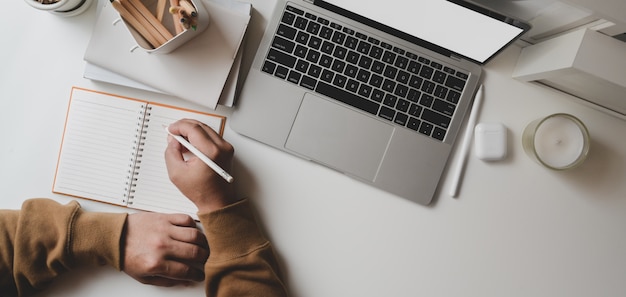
point(45, 239)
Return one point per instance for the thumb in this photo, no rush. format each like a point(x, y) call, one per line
point(173, 154)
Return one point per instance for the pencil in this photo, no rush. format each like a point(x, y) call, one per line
point(136, 24)
point(467, 139)
point(160, 10)
point(189, 9)
point(151, 19)
point(201, 156)
point(178, 27)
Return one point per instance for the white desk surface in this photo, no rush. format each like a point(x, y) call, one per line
point(516, 229)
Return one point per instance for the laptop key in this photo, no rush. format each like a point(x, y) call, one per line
point(376, 52)
point(347, 98)
point(351, 70)
point(351, 42)
point(302, 66)
point(315, 42)
point(363, 75)
point(326, 33)
point(455, 83)
point(281, 58)
point(403, 105)
point(352, 85)
point(435, 118)
point(441, 92)
point(415, 110)
point(439, 133)
point(326, 61)
point(313, 56)
point(365, 90)
point(387, 113)
point(302, 37)
point(294, 77)
point(444, 107)
point(340, 80)
point(426, 72)
point(339, 37)
point(308, 82)
point(281, 72)
point(287, 32)
point(294, 10)
point(389, 57)
point(378, 67)
point(327, 76)
point(300, 23)
point(365, 62)
point(269, 67)
point(425, 128)
point(439, 77)
point(413, 123)
point(288, 18)
point(401, 119)
point(453, 97)
point(315, 71)
point(283, 44)
point(300, 51)
point(401, 62)
point(428, 87)
point(377, 95)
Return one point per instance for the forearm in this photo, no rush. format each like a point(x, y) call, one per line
point(241, 260)
point(45, 239)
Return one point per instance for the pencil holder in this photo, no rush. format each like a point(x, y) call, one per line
point(64, 8)
point(170, 23)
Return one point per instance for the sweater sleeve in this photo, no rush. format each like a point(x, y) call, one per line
point(45, 239)
point(241, 262)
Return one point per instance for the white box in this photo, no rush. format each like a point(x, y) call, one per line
point(584, 63)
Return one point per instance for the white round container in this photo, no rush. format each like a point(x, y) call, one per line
point(62, 7)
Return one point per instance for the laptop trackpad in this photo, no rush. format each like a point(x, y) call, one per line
point(339, 137)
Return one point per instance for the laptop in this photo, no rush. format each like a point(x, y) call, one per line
point(377, 90)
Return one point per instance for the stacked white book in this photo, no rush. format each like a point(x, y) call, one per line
point(203, 71)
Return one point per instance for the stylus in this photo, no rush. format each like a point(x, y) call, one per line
point(467, 139)
point(202, 157)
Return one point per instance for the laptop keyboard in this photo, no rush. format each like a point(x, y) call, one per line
point(359, 70)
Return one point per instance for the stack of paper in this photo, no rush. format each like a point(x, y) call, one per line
point(203, 70)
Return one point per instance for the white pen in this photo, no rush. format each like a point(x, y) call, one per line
point(201, 156)
point(467, 139)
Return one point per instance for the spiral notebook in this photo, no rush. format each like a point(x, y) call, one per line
point(113, 151)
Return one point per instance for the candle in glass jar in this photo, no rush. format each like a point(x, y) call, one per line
point(559, 141)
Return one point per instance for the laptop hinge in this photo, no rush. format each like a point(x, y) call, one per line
point(456, 57)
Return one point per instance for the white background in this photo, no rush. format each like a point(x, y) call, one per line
point(516, 229)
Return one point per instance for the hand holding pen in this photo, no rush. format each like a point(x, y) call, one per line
point(207, 187)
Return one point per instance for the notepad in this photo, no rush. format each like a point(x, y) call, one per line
point(113, 151)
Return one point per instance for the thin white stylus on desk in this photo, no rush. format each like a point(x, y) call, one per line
point(201, 156)
point(467, 139)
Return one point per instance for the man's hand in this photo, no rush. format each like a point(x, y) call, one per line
point(205, 188)
point(164, 249)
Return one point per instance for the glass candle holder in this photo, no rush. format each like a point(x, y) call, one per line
point(559, 141)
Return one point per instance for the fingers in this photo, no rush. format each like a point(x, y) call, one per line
point(170, 273)
point(164, 249)
point(207, 140)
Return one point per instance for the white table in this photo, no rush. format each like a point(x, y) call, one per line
point(516, 229)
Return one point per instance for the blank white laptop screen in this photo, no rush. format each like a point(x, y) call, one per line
point(440, 22)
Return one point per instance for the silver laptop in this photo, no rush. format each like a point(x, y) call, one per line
point(377, 90)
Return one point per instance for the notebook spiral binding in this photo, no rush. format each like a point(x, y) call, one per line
point(137, 153)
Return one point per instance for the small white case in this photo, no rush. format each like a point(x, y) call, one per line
point(490, 141)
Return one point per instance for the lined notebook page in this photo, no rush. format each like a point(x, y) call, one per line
point(154, 191)
point(98, 146)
